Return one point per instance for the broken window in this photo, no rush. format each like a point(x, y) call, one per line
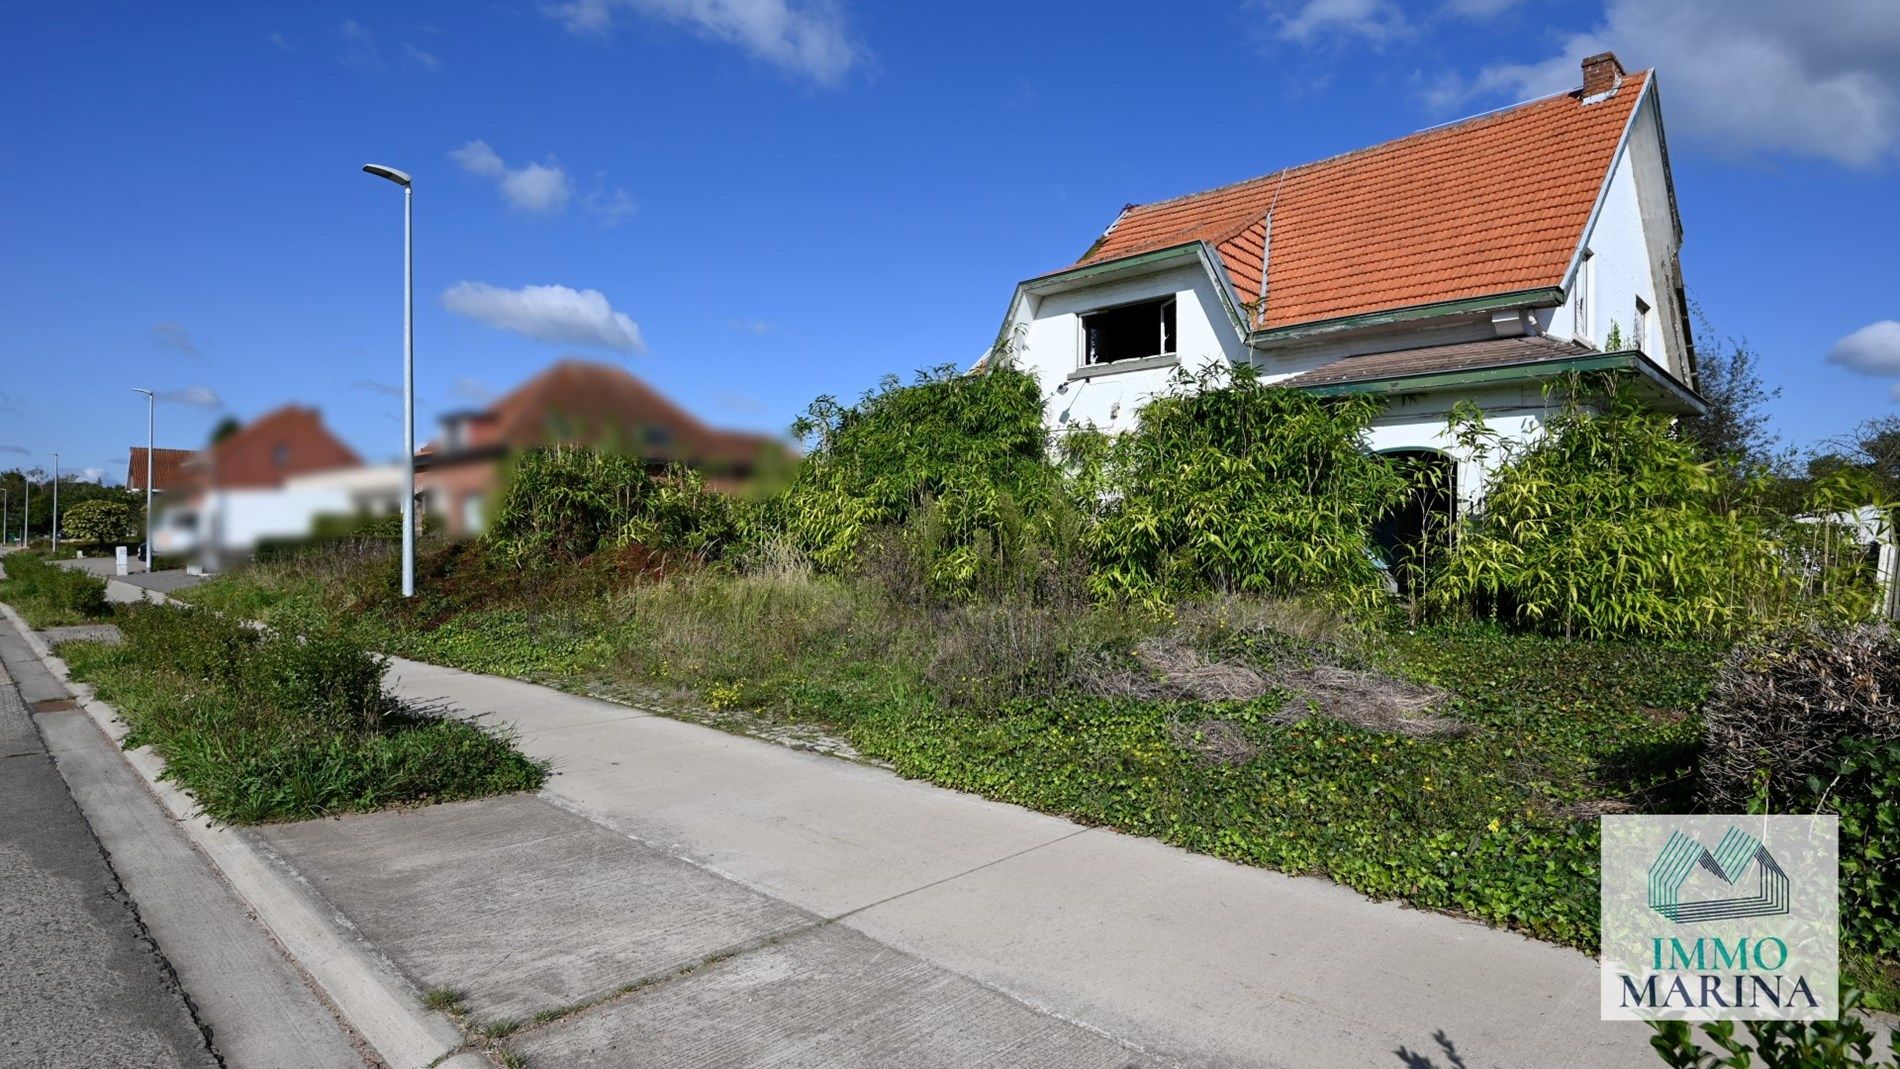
point(1129, 332)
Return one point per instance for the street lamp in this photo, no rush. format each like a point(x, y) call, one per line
point(150, 398)
point(408, 372)
point(55, 504)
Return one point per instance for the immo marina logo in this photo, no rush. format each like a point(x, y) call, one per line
point(1720, 917)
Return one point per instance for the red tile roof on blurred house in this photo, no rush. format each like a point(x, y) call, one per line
point(291, 440)
point(1490, 205)
point(577, 401)
point(168, 469)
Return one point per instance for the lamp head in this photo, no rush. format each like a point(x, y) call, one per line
point(390, 173)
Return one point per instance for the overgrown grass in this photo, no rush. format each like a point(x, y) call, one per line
point(50, 596)
point(1491, 821)
point(285, 725)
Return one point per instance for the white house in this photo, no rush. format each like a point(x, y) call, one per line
point(1473, 261)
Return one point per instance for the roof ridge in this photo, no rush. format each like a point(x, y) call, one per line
point(1292, 169)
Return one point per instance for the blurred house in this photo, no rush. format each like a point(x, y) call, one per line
point(576, 402)
point(272, 478)
point(168, 470)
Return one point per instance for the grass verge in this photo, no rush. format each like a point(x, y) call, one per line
point(50, 596)
point(266, 726)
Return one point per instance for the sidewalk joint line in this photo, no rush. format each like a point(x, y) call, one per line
point(959, 875)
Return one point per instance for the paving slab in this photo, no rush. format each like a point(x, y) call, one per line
point(1202, 962)
point(521, 906)
point(824, 834)
point(826, 997)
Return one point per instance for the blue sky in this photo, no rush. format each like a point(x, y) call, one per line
point(753, 202)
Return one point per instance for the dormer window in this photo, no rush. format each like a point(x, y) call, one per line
point(1129, 332)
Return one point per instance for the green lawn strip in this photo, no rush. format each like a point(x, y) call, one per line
point(50, 596)
point(268, 726)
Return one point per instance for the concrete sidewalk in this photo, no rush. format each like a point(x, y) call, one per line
point(811, 868)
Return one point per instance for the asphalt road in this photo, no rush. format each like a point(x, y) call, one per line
point(81, 984)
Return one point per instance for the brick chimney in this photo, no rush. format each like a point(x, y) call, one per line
point(1601, 75)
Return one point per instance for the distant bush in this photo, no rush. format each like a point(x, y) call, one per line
point(99, 521)
point(264, 726)
point(51, 596)
point(1229, 484)
point(563, 503)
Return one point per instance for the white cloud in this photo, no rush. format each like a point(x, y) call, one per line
point(277, 39)
point(426, 60)
point(812, 39)
point(608, 203)
point(554, 314)
point(193, 397)
point(1377, 21)
point(1872, 350)
point(540, 189)
point(174, 336)
point(1480, 9)
point(1818, 79)
point(91, 475)
point(359, 47)
point(750, 326)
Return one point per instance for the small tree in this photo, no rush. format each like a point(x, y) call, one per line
point(99, 522)
point(1728, 376)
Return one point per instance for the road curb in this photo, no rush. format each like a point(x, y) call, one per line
point(382, 1005)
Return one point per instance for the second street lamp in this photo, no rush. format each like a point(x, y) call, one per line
point(55, 504)
point(150, 397)
point(408, 372)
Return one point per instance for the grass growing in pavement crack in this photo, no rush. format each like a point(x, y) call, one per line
point(443, 999)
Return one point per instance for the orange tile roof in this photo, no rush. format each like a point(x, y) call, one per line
point(1489, 205)
point(599, 404)
point(168, 469)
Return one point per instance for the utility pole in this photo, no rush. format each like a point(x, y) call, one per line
point(55, 504)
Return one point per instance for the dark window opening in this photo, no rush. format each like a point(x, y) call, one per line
point(280, 456)
point(1413, 537)
point(1130, 332)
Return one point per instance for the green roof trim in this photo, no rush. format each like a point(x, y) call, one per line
point(1545, 295)
point(1675, 396)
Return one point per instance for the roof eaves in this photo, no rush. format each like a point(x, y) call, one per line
point(1675, 396)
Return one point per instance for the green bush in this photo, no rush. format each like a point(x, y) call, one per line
point(1843, 1044)
point(1228, 484)
point(51, 596)
point(263, 726)
point(974, 445)
point(100, 521)
point(562, 503)
point(1609, 524)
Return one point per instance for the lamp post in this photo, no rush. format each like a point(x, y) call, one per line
point(26, 510)
point(408, 372)
point(150, 398)
point(55, 504)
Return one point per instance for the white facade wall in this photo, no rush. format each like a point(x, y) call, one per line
point(1631, 247)
point(1048, 335)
